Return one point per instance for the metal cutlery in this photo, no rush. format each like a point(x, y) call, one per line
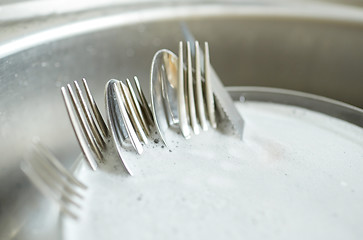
point(87, 122)
point(128, 114)
point(46, 172)
point(225, 106)
point(182, 94)
point(204, 94)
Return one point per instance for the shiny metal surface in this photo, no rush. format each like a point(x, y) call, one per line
point(229, 115)
point(181, 103)
point(163, 91)
point(313, 102)
point(172, 92)
point(204, 97)
point(115, 110)
point(57, 183)
point(128, 116)
point(190, 89)
point(91, 140)
point(132, 111)
point(317, 50)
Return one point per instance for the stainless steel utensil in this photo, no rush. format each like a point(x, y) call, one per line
point(202, 97)
point(46, 172)
point(128, 117)
point(87, 122)
point(315, 49)
point(174, 98)
point(128, 114)
point(223, 99)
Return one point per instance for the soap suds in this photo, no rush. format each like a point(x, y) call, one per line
point(296, 174)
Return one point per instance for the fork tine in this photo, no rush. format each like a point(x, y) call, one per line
point(52, 178)
point(130, 130)
point(84, 124)
point(41, 149)
point(139, 112)
point(89, 118)
point(208, 87)
point(144, 104)
point(118, 129)
point(183, 121)
point(44, 188)
point(192, 113)
point(77, 127)
point(96, 111)
point(200, 101)
point(132, 113)
point(43, 167)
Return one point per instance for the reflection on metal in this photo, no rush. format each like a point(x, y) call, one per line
point(46, 172)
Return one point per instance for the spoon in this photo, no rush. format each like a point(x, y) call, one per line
point(163, 87)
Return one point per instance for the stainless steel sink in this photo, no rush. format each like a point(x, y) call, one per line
point(311, 48)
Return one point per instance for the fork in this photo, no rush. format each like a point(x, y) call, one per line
point(87, 122)
point(175, 101)
point(128, 116)
point(188, 107)
point(46, 172)
point(229, 118)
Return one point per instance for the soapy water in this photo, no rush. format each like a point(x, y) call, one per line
point(297, 174)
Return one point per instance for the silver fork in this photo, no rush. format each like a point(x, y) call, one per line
point(128, 116)
point(188, 107)
point(180, 93)
point(87, 122)
point(229, 117)
point(45, 171)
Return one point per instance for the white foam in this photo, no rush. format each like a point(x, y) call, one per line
point(296, 175)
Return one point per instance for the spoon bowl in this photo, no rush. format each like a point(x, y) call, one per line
point(163, 87)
